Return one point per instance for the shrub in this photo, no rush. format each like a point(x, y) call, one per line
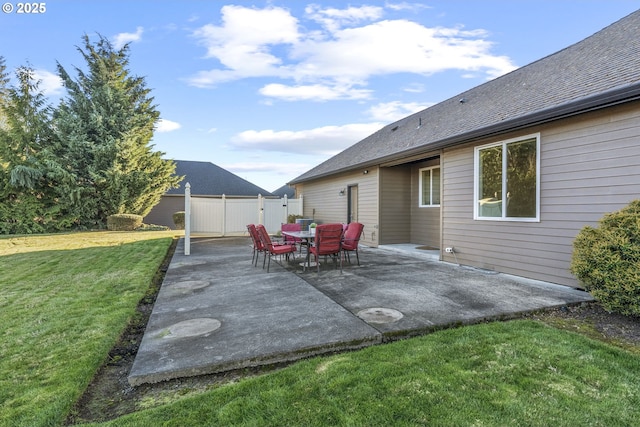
point(178, 220)
point(291, 219)
point(123, 222)
point(152, 227)
point(606, 260)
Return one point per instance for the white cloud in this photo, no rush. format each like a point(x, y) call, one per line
point(50, 83)
point(277, 168)
point(389, 112)
point(414, 88)
point(315, 92)
point(336, 60)
point(119, 40)
point(399, 46)
point(242, 44)
point(268, 175)
point(326, 140)
point(333, 19)
point(165, 125)
point(414, 7)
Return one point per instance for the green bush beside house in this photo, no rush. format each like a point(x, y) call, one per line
point(606, 259)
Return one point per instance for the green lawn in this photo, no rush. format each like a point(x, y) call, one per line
point(64, 299)
point(518, 373)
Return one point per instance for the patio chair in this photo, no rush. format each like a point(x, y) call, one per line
point(271, 248)
point(351, 239)
point(328, 242)
point(291, 227)
point(257, 246)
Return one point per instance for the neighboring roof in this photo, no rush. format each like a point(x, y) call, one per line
point(207, 179)
point(601, 70)
point(285, 190)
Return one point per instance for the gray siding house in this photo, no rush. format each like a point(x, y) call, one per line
point(506, 173)
point(206, 180)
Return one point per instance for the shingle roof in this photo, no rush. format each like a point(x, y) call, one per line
point(600, 70)
point(290, 192)
point(207, 179)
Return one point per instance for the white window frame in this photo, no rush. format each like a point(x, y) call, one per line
point(430, 168)
point(476, 179)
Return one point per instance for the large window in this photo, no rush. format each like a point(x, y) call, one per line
point(429, 186)
point(507, 180)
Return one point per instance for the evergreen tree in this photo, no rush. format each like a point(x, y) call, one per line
point(29, 173)
point(104, 127)
point(4, 85)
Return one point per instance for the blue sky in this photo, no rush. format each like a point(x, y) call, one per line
point(270, 89)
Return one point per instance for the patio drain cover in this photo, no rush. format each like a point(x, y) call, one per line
point(191, 285)
point(380, 315)
point(191, 328)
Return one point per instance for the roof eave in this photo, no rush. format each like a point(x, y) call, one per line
point(619, 95)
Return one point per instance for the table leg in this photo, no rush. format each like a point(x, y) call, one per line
point(307, 262)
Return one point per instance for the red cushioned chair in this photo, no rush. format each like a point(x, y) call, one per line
point(351, 239)
point(257, 247)
point(291, 227)
point(271, 248)
point(327, 242)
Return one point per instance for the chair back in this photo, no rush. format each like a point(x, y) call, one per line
point(264, 237)
point(328, 239)
point(352, 235)
point(291, 227)
point(253, 232)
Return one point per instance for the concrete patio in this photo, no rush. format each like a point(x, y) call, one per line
point(216, 312)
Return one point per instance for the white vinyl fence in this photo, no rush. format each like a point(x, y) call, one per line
point(227, 216)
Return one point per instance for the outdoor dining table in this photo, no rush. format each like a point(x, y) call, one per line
point(307, 237)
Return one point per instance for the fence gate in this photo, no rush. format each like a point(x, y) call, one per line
point(229, 216)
